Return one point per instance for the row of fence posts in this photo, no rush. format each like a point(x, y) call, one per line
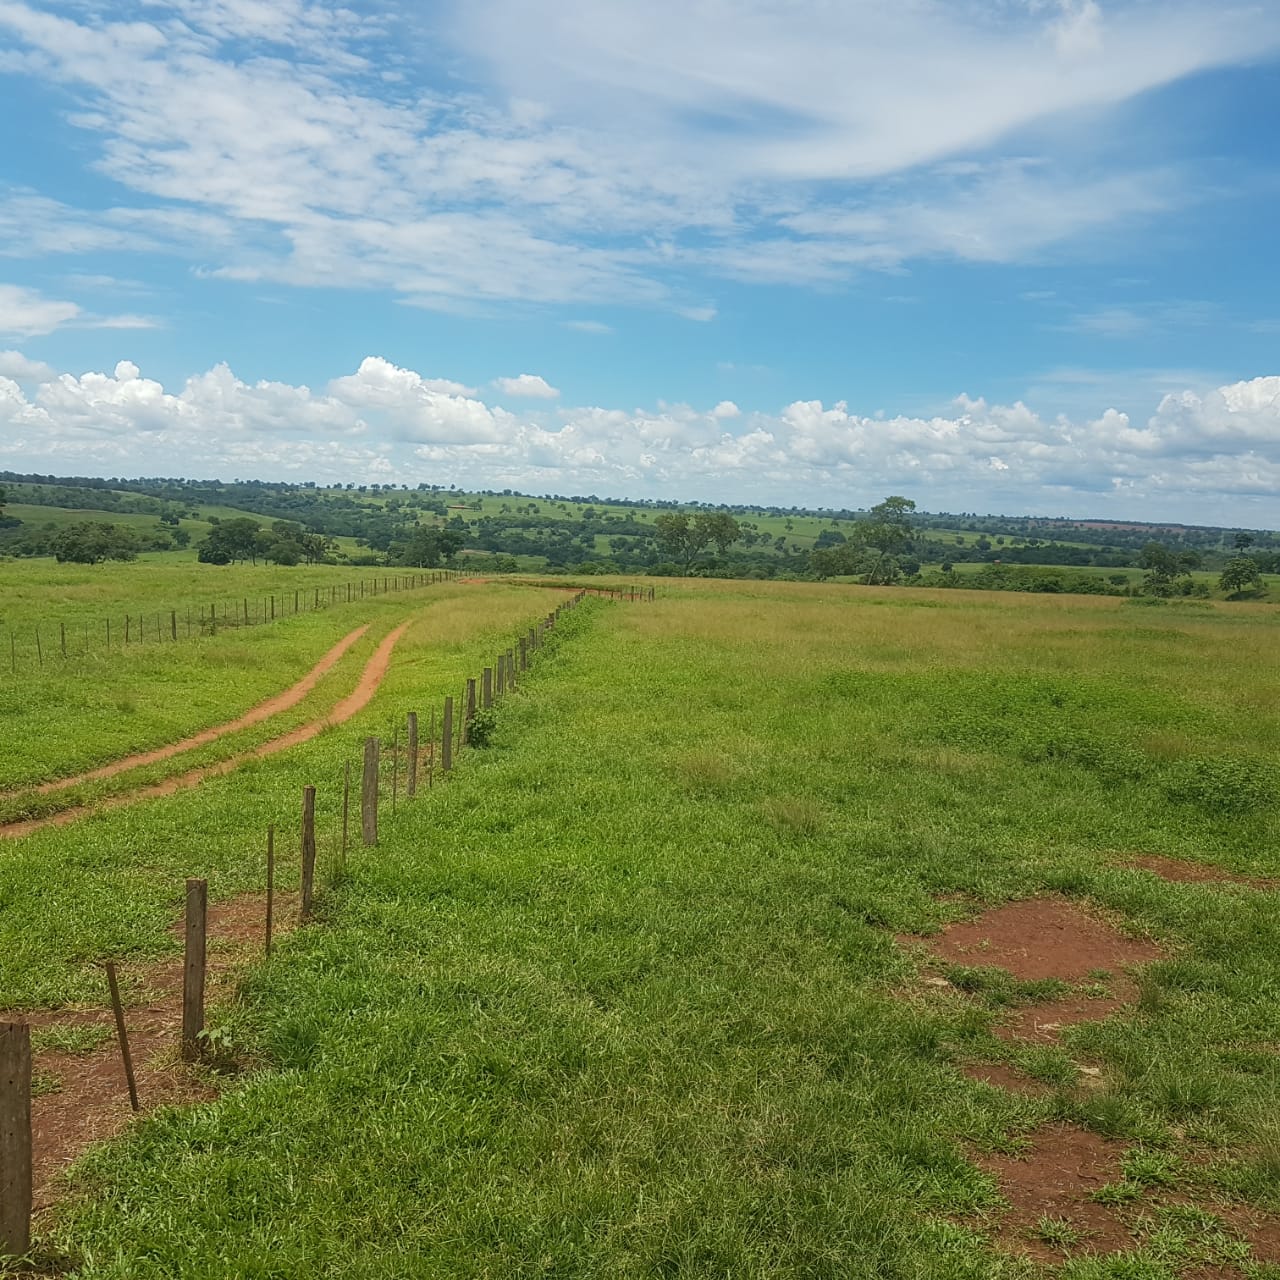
point(16, 1153)
point(206, 619)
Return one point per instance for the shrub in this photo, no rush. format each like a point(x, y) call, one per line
point(482, 727)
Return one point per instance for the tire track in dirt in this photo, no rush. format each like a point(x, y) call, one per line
point(255, 715)
point(370, 680)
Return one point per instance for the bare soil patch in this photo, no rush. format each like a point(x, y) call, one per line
point(1041, 938)
point(370, 679)
point(1002, 1076)
point(91, 1099)
point(1054, 1180)
point(1180, 871)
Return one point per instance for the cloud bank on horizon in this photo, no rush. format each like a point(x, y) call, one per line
point(389, 424)
point(1061, 202)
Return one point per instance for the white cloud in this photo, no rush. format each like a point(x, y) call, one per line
point(527, 385)
point(589, 326)
point(1212, 455)
point(13, 364)
point(25, 313)
point(600, 150)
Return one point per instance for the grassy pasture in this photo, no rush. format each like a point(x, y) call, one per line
point(623, 998)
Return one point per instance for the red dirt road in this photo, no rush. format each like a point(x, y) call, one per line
point(263, 711)
point(370, 679)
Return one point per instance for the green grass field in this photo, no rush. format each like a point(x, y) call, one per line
point(623, 998)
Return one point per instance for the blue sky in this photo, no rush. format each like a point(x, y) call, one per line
point(1007, 255)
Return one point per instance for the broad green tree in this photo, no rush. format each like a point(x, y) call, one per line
point(1241, 576)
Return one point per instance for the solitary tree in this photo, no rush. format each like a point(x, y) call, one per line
point(887, 533)
point(1241, 576)
point(684, 537)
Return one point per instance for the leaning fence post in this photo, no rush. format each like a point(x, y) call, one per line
point(446, 738)
point(308, 850)
point(15, 1138)
point(369, 793)
point(411, 783)
point(193, 968)
point(122, 1035)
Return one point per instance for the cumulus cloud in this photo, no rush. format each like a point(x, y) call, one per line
point(1210, 455)
point(527, 385)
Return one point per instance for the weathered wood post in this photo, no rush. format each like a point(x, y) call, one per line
point(486, 687)
point(511, 669)
point(122, 1035)
point(308, 851)
point(446, 738)
point(15, 1138)
point(346, 809)
point(471, 702)
point(411, 765)
point(193, 968)
point(395, 767)
point(369, 792)
point(271, 881)
point(524, 654)
point(500, 676)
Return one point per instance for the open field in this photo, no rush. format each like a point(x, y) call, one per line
point(648, 988)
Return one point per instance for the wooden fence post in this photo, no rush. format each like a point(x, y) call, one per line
point(346, 809)
point(411, 782)
point(500, 676)
point(193, 968)
point(15, 1138)
point(486, 687)
point(446, 738)
point(524, 654)
point(369, 792)
point(271, 881)
point(122, 1035)
point(395, 767)
point(470, 713)
point(308, 850)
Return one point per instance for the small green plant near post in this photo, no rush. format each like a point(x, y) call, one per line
point(193, 968)
point(481, 728)
point(15, 1139)
point(369, 793)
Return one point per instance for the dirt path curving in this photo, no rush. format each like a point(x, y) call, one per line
point(370, 680)
point(263, 711)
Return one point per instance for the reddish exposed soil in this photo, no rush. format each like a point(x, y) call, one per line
point(1041, 938)
point(370, 679)
point(91, 1102)
point(263, 711)
point(1002, 1076)
point(1054, 1179)
point(1182, 872)
point(1048, 938)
